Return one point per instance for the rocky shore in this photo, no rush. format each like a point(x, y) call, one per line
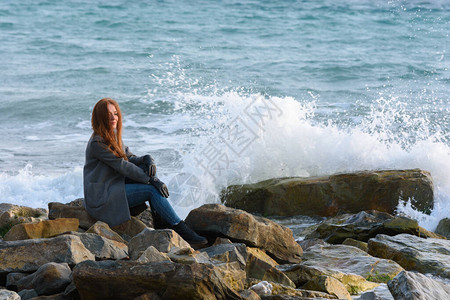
point(62, 253)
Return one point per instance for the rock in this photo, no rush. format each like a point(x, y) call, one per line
point(414, 253)
point(188, 256)
point(151, 254)
point(249, 295)
point(262, 288)
point(29, 255)
point(228, 253)
point(41, 229)
point(49, 279)
point(443, 228)
point(58, 210)
point(28, 294)
point(355, 243)
point(412, 286)
point(12, 279)
point(9, 295)
point(261, 266)
point(305, 244)
point(328, 285)
point(363, 226)
point(146, 217)
point(220, 241)
point(11, 215)
point(148, 296)
point(328, 195)
point(379, 293)
point(162, 239)
point(240, 226)
point(129, 279)
point(278, 289)
point(101, 247)
point(351, 260)
point(103, 229)
point(130, 228)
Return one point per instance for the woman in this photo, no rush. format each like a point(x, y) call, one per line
point(110, 164)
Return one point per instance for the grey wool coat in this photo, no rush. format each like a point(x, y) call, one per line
point(104, 182)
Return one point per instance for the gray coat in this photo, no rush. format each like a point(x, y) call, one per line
point(104, 182)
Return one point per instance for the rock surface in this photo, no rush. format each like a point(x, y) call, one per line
point(363, 226)
point(8, 295)
point(41, 229)
point(329, 285)
point(240, 226)
point(414, 253)
point(103, 229)
point(127, 279)
point(50, 278)
point(328, 195)
point(59, 210)
point(443, 228)
point(416, 286)
point(29, 255)
point(103, 248)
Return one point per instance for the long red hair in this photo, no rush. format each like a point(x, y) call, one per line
point(102, 127)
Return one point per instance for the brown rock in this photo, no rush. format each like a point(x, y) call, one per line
point(29, 255)
point(151, 254)
point(41, 229)
point(329, 285)
point(355, 243)
point(102, 229)
point(103, 248)
point(328, 195)
point(228, 253)
point(130, 228)
point(58, 210)
point(128, 279)
point(240, 226)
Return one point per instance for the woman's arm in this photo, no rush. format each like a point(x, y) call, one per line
point(126, 168)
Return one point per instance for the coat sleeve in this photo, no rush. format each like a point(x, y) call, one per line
point(126, 168)
point(137, 160)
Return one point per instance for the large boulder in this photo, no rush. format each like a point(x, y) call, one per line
point(416, 286)
point(240, 226)
point(103, 248)
point(49, 279)
point(328, 195)
point(59, 210)
point(414, 253)
point(128, 279)
point(29, 255)
point(363, 226)
point(41, 229)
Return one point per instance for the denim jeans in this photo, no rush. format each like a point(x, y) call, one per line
point(139, 193)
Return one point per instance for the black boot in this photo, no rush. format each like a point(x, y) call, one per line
point(189, 235)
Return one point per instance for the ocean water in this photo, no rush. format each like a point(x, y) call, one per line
point(225, 92)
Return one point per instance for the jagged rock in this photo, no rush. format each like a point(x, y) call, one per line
point(11, 215)
point(28, 294)
point(12, 279)
point(29, 255)
point(188, 256)
point(379, 293)
point(103, 229)
point(151, 254)
point(249, 295)
point(162, 239)
point(414, 253)
point(49, 279)
point(220, 241)
point(328, 195)
point(128, 279)
point(9, 295)
point(228, 253)
point(443, 228)
point(329, 285)
point(355, 243)
point(240, 226)
point(130, 228)
point(363, 226)
point(278, 289)
point(101, 247)
point(351, 260)
point(41, 229)
point(305, 244)
point(261, 266)
point(416, 286)
point(263, 288)
point(59, 210)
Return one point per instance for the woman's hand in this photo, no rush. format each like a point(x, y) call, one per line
point(150, 167)
point(160, 186)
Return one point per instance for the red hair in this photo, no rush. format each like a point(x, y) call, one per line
point(102, 127)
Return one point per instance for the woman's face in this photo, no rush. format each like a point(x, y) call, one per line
point(113, 116)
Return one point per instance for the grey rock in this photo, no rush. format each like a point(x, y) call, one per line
point(416, 286)
point(51, 278)
point(151, 254)
point(28, 294)
point(443, 228)
point(12, 279)
point(228, 253)
point(379, 293)
point(8, 295)
point(103, 248)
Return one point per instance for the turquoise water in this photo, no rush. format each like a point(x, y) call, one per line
point(352, 85)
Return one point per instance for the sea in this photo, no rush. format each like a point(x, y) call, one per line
point(225, 92)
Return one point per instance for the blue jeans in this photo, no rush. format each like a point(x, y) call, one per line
point(139, 193)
